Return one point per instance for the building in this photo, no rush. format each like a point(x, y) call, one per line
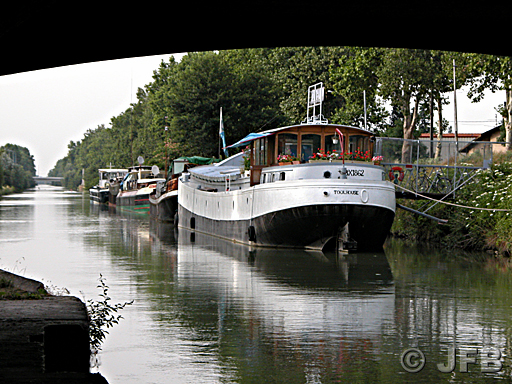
point(490, 136)
point(448, 144)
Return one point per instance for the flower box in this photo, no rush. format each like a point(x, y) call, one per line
point(347, 161)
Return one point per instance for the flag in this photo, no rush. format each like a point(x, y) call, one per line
point(221, 134)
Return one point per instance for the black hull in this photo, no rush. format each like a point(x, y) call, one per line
point(303, 227)
point(164, 210)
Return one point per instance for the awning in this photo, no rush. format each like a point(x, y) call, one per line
point(255, 136)
point(247, 139)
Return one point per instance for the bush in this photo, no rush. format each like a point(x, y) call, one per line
point(470, 229)
point(102, 315)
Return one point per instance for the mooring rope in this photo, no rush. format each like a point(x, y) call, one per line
point(456, 205)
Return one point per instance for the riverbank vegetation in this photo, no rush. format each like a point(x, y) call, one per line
point(487, 223)
point(17, 169)
point(102, 315)
point(264, 88)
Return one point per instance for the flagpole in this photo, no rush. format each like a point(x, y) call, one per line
point(220, 127)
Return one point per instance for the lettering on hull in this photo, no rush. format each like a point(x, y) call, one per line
point(343, 192)
point(355, 172)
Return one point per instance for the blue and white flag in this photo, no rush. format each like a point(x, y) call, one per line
point(221, 134)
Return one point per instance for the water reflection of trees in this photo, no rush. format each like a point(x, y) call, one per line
point(442, 299)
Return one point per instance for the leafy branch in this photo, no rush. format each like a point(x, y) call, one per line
point(102, 315)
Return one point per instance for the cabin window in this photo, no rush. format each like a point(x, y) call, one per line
point(282, 176)
point(310, 144)
point(330, 146)
point(260, 152)
point(359, 144)
point(287, 144)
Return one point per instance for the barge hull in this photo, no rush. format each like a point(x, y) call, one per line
point(310, 226)
point(133, 203)
point(165, 207)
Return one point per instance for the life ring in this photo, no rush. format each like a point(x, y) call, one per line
point(396, 173)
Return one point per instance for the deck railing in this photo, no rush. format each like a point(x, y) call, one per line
point(431, 167)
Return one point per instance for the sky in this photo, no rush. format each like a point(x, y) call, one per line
point(46, 109)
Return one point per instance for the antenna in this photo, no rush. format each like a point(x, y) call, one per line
point(316, 95)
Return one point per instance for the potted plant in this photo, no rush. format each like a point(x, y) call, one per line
point(377, 159)
point(284, 159)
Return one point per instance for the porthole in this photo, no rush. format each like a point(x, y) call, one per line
point(282, 176)
point(327, 174)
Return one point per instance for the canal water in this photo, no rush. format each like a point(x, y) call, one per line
point(209, 311)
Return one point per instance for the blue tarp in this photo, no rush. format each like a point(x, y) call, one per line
point(247, 139)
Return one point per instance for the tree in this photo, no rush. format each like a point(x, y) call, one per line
point(294, 69)
point(17, 167)
point(192, 92)
point(405, 77)
point(354, 74)
point(492, 73)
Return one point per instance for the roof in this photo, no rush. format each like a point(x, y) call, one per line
point(258, 135)
point(450, 135)
point(198, 160)
point(486, 136)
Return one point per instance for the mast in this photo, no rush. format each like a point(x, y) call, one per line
point(455, 109)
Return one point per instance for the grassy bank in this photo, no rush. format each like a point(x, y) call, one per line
point(6, 190)
point(482, 227)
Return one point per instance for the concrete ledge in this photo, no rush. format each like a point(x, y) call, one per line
point(43, 338)
point(19, 282)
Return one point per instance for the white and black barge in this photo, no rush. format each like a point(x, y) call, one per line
point(304, 202)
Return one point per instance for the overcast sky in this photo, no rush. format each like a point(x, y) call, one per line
point(44, 110)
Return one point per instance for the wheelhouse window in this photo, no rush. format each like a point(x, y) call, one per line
point(310, 143)
point(260, 152)
point(287, 144)
point(330, 146)
point(359, 144)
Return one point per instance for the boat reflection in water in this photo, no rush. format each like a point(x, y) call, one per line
point(281, 314)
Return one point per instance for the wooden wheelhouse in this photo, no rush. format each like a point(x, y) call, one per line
point(302, 142)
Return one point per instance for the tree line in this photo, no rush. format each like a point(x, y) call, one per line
point(17, 169)
point(177, 114)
